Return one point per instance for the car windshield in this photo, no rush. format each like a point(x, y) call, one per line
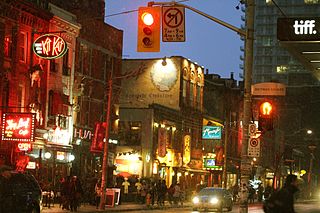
point(211, 191)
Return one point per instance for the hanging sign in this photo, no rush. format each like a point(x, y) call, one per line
point(186, 150)
point(18, 127)
point(162, 141)
point(49, 46)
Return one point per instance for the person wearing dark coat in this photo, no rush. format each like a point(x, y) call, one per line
point(287, 193)
point(6, 200)
point(283, 200)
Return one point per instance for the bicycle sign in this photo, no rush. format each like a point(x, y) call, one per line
point(173, 24)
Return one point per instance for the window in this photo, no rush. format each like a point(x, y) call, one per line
point(8, 46)
point(198, 97)
point(184, 91)
point(312, 1)
point(65, 64)
point(191, 93)
point(282, 69)
point(23, 47)
point(130, 133)
point(53, 66)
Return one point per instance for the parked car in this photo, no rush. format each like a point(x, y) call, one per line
point(24, 193)
point(213, 198)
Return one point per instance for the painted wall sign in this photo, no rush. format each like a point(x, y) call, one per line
point(211, 132)
point(18, 127)
point(49, 46)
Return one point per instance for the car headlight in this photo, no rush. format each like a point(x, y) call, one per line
point(214, 200)
point(195, 200)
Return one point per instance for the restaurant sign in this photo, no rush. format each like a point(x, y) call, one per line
point(18, 127)
point(49, 46)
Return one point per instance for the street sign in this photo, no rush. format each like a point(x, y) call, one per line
point(254, 147)
point(173, 24)
point(246, 168)
point(252, 129)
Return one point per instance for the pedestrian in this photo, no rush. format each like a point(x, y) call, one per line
point(6, 199)
point(162, 191)
point(65, 193)
point(170, 193)
point(243, 194)
point(177, 194)
point(143, 192)
point(235, 192)
point(98, 192)
point(282, 201)
point(75, 193)
point(260, 192)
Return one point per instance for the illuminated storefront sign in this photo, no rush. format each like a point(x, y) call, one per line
point(49, 46)
point(59, 136)
point(162, 141)
point(18, 127)
point(60, 155)
point(298, 29)
point(186, 150)
point(210, 164)
point(31, 165)
point(211, 132)
point(24, 146)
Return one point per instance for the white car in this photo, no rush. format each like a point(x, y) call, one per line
point(213, 198)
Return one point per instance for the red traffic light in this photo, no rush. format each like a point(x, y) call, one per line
point(147, 18)
point(266, 109)
point(148, 38)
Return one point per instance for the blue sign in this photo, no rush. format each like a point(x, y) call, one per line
point(211, 132)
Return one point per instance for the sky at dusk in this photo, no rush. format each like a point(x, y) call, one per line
point(211, 45)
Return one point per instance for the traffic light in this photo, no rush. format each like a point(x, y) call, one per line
point(265, 116)
point(148, 29)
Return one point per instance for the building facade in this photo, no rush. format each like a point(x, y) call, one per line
point(161, 119)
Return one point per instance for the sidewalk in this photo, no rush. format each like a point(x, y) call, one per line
point(118, 208)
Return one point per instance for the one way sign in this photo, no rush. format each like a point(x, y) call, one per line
point(173, 24)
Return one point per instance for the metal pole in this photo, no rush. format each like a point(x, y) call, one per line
point(225, 147)
point(105, 148)
point(247, 97)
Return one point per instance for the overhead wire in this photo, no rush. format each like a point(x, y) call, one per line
point(131, 11)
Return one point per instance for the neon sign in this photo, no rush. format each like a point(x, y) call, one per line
point(18, 127)
point(22, 146)
point(49, 46)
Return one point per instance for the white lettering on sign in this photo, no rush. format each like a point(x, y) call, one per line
point(304, 27)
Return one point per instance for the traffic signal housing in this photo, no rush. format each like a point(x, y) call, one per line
point(266, 110)
point(148, 39)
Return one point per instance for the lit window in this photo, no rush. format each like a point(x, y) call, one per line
point(311, 1)
point(282, 69)
point(7, 46)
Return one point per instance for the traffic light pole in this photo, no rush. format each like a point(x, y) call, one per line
point(250, 5)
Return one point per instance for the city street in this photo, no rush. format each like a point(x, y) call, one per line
point(301, 207)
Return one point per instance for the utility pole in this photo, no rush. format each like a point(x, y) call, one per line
point(105, 147)
point(244, 179)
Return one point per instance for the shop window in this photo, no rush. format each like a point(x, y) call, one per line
point(130, 133)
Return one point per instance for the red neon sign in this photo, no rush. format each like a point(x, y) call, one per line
point(49, 46)
point(18, 127)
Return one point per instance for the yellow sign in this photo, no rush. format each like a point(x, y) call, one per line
point(186, 150)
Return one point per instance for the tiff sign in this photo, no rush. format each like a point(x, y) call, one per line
point(18, 127)
point(298, 29)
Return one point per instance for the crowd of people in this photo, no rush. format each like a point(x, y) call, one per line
point(145, 192)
